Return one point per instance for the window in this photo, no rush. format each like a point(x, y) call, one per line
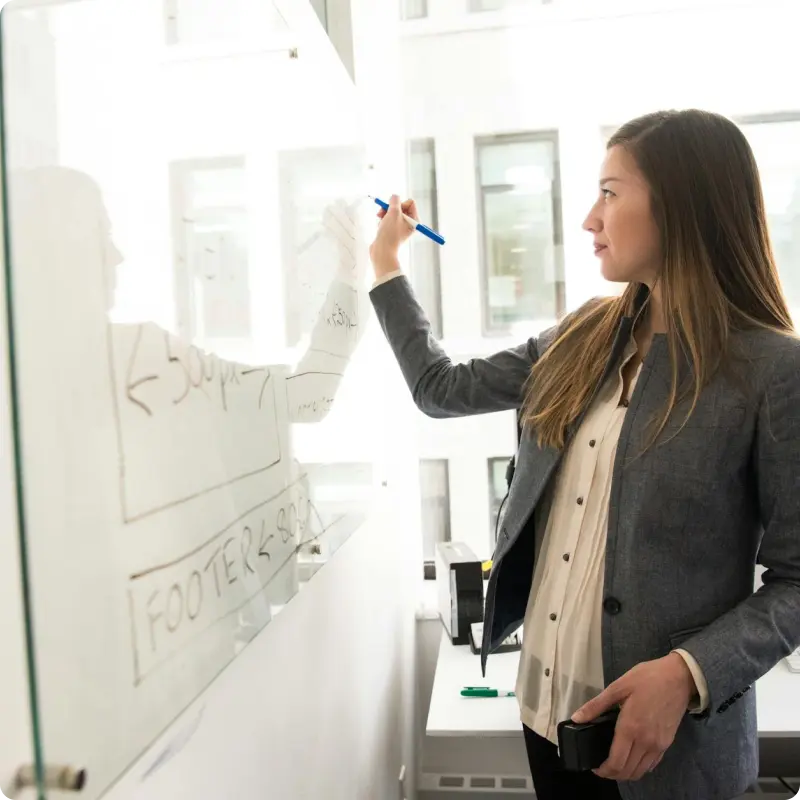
point(209, 221)
point(522, 253)
point(434, 482)
point(424, 254)
point(413, 9)
point(774, 142)
point(497, 491)
point(497, 5)
point(206, 21)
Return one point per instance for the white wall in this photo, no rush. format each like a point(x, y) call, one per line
point(34, 142)
point(310, 709)
point(575, 67)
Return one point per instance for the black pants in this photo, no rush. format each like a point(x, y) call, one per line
point(552, 782)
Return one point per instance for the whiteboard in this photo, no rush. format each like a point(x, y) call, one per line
point(187, 240)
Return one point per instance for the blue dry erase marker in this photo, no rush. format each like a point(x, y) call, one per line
point(423, 229)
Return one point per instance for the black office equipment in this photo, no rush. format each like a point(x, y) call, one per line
point(459, 579)
point(586, 745)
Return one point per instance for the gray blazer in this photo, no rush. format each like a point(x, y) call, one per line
point(687, 521)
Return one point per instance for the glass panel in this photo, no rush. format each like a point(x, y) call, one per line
point(497, 491)
point(778, 157)
point(200, 415)
point(424, 254)
point(517, 163)
point(435, 491)
point(524, 276)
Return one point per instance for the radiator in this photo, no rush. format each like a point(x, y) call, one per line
point(465, 784)
point(484, 787)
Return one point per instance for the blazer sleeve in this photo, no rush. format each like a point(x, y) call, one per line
point(747, 641)
point(439, 387)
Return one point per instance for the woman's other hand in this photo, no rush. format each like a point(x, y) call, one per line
point(653, 698)
point(392, 232)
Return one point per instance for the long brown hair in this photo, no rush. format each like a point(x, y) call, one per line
point(718, 273)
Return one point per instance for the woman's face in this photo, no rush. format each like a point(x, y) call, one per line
point(626, 237)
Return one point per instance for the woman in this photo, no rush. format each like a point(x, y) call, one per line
point(660, 455)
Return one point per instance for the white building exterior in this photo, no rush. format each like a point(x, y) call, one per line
point(571, 71)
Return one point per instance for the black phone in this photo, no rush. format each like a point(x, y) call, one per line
point(586, 745)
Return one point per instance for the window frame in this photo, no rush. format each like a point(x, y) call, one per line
point(490, 462)
point(545, 135)
point(769, 118)
point(171, 21)
point(429, 143)
point(429, 565)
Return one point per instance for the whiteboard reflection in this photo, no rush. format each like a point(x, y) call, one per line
point(212, 523)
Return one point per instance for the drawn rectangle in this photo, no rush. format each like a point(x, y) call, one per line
point(173, 603)
point(187, 421)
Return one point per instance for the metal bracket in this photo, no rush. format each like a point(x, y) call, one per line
point(61, 777)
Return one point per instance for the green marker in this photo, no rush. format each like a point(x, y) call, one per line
point(485, 691)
